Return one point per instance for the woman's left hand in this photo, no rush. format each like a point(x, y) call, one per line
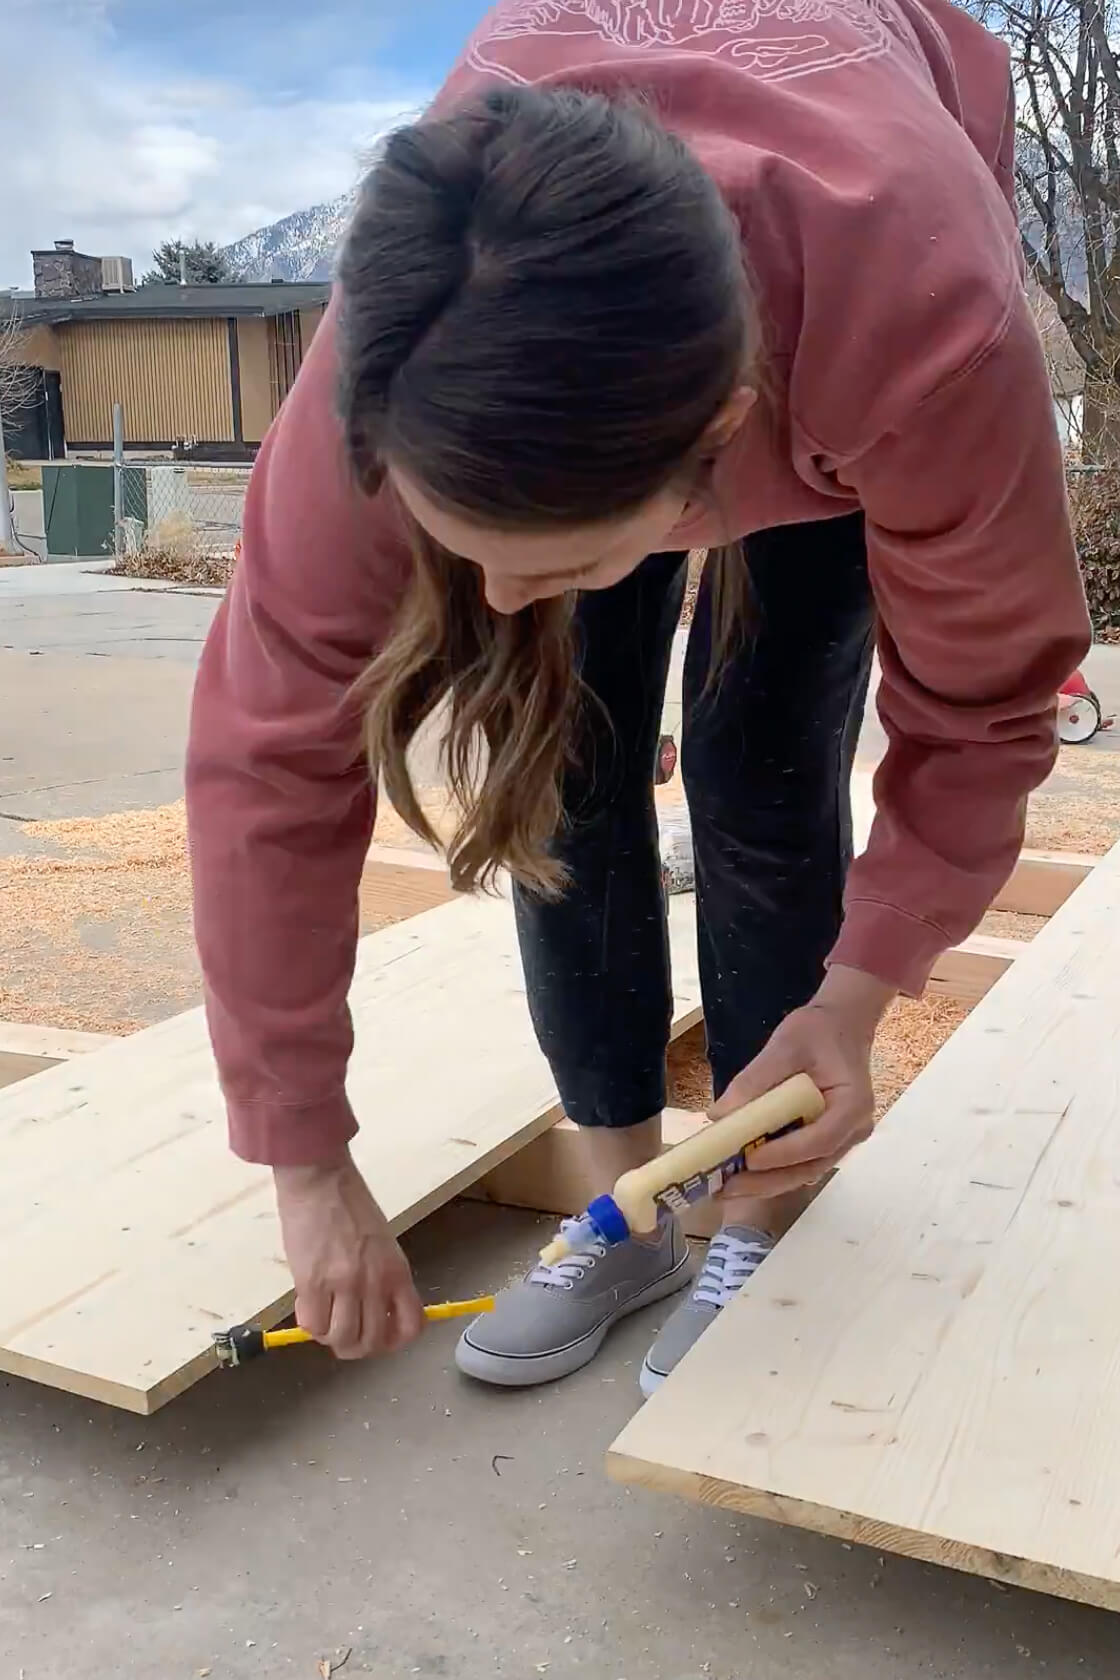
point(830, 1040)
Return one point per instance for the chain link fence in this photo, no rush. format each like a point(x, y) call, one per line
point(160, 519)
point(180, 520)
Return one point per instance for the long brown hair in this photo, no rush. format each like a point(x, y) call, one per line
point(544, 307)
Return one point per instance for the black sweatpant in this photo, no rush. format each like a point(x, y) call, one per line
point(766, 760)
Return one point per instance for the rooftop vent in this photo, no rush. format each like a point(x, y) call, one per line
point(116, 274)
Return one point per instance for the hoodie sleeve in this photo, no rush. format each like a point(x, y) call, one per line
point(279, 798)
point(982, 617)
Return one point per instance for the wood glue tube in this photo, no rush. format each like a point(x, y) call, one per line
point(691, 1171)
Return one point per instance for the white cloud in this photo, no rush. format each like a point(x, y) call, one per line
point(118, 155)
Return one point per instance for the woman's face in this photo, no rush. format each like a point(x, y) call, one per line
point(519, 567)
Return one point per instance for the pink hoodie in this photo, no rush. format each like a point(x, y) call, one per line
point(865, 146)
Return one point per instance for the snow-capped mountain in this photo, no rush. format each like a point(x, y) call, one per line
point(300, 247)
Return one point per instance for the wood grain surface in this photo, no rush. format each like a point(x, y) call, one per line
point(930, 1360)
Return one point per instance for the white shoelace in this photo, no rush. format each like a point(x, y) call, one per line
point(731, 1261)
point(566, 1273)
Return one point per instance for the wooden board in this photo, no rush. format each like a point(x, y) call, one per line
point(930, 1360)
point(391, 891)
point(1041, 882)
point(969, 971)
point(128, 1232)
point(56, 1043)
point(14, 1067)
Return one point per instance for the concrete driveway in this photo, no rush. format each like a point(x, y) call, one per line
point(274, 1520)
point(96, 673)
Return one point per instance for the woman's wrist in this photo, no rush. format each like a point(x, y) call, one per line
point(314, 1173)
point(860, 999)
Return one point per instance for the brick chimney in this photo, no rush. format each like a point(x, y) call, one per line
point(65, 273)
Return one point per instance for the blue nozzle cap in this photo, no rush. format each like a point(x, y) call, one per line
point(608, 1219)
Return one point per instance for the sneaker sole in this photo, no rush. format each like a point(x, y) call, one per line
point(506, 1370)
point(649, 1380)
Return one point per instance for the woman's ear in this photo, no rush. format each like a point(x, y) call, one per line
point(722, 429)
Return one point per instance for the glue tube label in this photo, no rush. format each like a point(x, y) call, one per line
point(699, 1186)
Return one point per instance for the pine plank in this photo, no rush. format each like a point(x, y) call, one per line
point(930, 1361)
point(968, 971)
point(15, 1066)
point(128, 1232)
point(1041, 882)
point(56, 1043)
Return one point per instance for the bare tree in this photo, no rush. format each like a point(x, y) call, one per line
point(17, 380)
point(17, 388)
point(1067, 82)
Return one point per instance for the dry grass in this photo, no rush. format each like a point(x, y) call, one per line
point(23, 477)
point(171, 564)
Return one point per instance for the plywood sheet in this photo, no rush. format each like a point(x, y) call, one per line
point(930, 1360)
point(128, 1232)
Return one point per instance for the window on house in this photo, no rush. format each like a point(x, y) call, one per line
point(285, 353)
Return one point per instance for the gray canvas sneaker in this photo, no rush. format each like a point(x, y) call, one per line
point(734, 1255)
point(557, 1318)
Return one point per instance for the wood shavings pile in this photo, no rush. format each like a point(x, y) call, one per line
point(1079, 810)
point(1011, 924)
point(98, 938)
point(911, 1034)
point(696, 560)
point(1059, 823)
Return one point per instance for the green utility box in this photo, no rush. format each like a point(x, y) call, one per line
point(78, 508)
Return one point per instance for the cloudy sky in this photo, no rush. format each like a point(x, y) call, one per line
point(124, 122)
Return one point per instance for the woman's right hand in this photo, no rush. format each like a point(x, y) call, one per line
point(354, 1289)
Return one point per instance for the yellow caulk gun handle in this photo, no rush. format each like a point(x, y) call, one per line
point(434, 1314)
point(459, 1309)
point(248, 1341)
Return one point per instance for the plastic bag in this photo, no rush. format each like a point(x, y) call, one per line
point(678, 872)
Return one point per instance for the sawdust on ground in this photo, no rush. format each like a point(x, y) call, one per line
point(97, 937)
point(1011, 924)
point(1078, 810)
point(913, 1031)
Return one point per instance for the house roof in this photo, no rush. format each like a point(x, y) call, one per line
point(169, 303)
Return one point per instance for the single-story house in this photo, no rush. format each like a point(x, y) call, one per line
point(198, 369)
